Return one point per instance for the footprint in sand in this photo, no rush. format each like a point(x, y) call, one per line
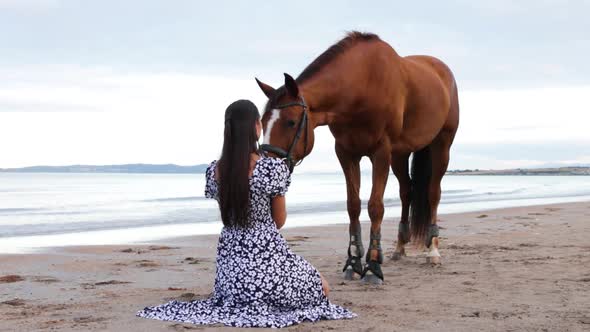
point(503, 248)
point(474, 314)
point(152, 248)
point(146, 263)
point(295, 240)
point(191, 260)
point(103, 283)
point(10, 278)
point(111, 282)
point(182, 327)
point(89, 319)
point(186, 297)
point(298, 238)
point(45, 279)
point(15, 302)
point(131, 250)
point(139, 263)
point(51, 307)
point(553, 209)
point(528, 245)
point(52, 323)
point(162, 248)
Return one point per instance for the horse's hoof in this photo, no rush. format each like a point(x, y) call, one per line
point(349, 274)
point(397, 255)
point(434, 260)
point(371, 279)
point(433, 256)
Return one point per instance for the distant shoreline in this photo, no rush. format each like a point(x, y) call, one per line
point(201, 168)
point(126, 168)
point(571, 170)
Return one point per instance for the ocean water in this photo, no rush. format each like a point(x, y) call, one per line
point(58, 209)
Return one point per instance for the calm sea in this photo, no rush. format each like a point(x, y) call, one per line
point(56, 209)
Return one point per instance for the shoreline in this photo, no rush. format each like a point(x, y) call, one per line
point(519, 268)
point(143, 235)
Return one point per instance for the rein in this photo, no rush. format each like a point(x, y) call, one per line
point(287, 155)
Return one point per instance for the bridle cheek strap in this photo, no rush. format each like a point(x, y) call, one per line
point(303, 124)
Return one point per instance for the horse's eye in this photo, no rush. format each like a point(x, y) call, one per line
point(291, 123)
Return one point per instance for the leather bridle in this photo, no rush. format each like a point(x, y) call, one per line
point(303, 125)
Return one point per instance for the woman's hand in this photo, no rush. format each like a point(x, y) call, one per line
point(279, 210)
point(325, 285)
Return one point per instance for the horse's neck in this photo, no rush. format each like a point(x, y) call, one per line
point(333, 93)
point(323, 97)
point(334, 89)
point(319, 94)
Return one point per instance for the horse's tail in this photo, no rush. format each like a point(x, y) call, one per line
point(420, 204)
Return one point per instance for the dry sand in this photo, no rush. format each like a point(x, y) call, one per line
point(517, 269)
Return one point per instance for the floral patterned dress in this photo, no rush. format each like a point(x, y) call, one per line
point(259, 282)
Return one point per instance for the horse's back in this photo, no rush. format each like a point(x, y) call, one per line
point(423, 66)
point(408, 99)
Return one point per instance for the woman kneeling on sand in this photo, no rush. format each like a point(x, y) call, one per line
point(259, 282)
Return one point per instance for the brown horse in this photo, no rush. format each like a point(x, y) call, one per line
point(381, 105)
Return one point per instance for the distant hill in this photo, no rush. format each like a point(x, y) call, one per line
point(127, 168)
point(572, 170)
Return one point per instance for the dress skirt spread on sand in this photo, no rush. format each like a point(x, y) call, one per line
point(259, 281)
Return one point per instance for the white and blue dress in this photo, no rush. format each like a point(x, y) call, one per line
point(259, 282)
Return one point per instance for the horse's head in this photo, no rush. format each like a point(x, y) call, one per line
point(287, 123)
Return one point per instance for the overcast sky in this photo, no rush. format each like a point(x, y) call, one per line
point(106, 82)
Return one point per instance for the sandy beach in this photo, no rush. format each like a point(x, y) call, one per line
point(515, 269)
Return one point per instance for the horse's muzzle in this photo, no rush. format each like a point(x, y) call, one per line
point(273, 149)
point(280, 153)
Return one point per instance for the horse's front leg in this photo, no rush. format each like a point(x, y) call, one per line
point(381, 160)
point(350, 166)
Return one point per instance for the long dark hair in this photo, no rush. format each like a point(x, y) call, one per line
point(239, 142)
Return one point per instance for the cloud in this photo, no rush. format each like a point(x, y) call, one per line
point(137, 117)
point(506, 8)
point(493, 45)
point(101, 115)
point(545, 153)
point(542, 114)
point(28, 4)
point(46, 88)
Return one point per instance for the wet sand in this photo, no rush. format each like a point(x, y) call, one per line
point(515, 269)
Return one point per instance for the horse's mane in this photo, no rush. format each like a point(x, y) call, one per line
point(351, 39)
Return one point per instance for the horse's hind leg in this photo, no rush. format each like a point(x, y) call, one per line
point(440, 160)
point(381, 160)
point(350, 166)
point(399, 166)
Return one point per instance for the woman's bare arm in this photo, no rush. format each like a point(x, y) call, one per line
point(279, 210)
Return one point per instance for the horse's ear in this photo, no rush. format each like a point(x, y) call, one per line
point(291, 86)
point(268, 90)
